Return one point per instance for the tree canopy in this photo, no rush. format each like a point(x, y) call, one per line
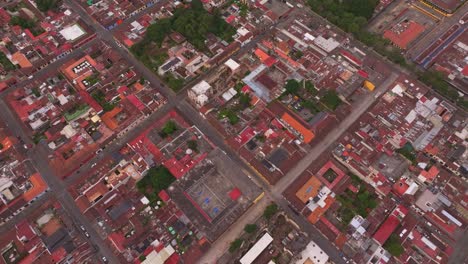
point(193, 23)
point(270, 211)
point(331, 99)
point(157, 179)
point(250, 228)
point(168, 128)
point(292, 86)
point(46, 5)
point(235, 245)
point(393, 246)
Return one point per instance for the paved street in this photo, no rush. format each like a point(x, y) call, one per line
point(40, 153)
point(436, 32)
point(188, 112)
point(39, 158)
point(460, 254)
point(275, 192)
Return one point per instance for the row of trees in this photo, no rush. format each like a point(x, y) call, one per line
point(268, 213)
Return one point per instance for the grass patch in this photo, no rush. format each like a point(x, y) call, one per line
point(75, 112)
point(174, 83)
point(356, 204)
point(230, 115)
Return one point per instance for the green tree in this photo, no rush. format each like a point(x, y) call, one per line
point(292, 87)
point(309, 86)
point(193, 145)
point(393, 246)
point(408, 152)
point(235, 245)
point(244, 100)
point(156, 179)
point(270, 211)
point(46, 5)
point(22, 22)
point(168, 128)
point(230, 115)
point(250, 228)
point(331, 99)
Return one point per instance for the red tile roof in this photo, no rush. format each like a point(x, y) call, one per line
point(351, 58)
point(307, 134)
point(404, 37)
point(117, 240)
point(230, 18)
point(164, 196)
point(59, 254)
point(390, 225)
point(24, 230)
point(431, 174)
point(465, 70)
point(136, 102)
point(400, 187)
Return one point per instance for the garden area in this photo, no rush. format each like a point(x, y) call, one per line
point(408, 152)
point(352, 204)
point(6, 63)
point(156, 179)
point(168, 129)
point(237, 104)
point(100, 98)
point(27, 24)
point(330, 175)
point(193, 23)
point(76, 111)
point(305, 92)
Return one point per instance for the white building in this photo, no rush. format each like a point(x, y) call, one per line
point(312, 254)
point(257, 249)
point(200, 93)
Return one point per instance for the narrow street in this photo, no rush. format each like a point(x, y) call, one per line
point(40, 153)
